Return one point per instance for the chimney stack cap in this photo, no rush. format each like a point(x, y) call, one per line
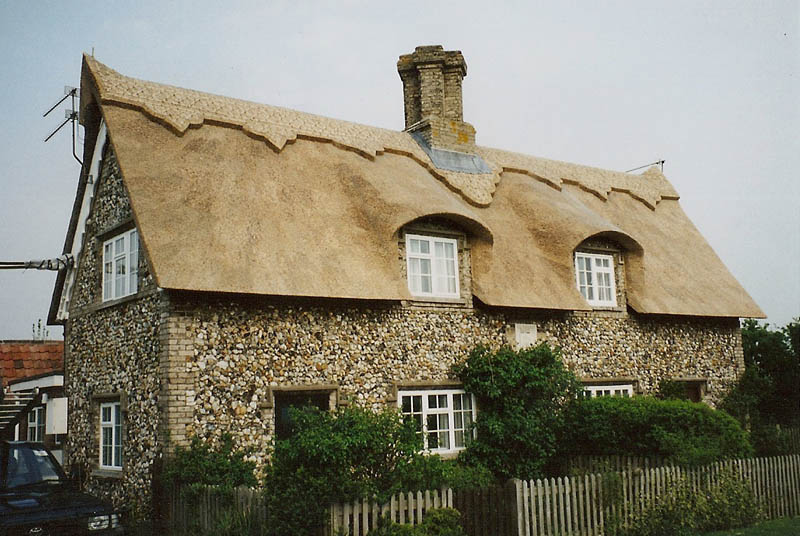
point(430, 55)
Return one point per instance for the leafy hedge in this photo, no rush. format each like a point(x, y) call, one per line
point(439, 522)
point(352, 453)
point(521, 396)
point(685, 432)
point(200, 464)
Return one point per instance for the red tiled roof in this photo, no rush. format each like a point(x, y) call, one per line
point(23, 359)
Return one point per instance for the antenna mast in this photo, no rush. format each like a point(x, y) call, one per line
point(70, 115)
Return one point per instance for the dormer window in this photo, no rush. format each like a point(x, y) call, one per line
point(432, 266)
point(595, 278)
point(121, 265)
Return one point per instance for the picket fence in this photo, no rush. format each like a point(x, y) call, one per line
point(362, 516)
point(487, 511)
point(565, 506)
point(583, 505)
point(203, 509)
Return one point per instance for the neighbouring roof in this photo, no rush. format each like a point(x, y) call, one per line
point(233, 196)
point(26, 359)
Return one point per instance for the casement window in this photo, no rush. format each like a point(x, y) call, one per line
point(432, 266)
point(444, 417)
point(110, 435)
point(624, 390)
point(595, 277)
point(286, 400)
point(36, 424)
point(121, 265)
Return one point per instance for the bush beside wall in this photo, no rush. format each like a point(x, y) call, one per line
point(684, 432)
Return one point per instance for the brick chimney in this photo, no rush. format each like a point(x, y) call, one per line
point(432, 97)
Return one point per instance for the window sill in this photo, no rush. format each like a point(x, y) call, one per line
point(117, 301)
point(603, 306)
point(446, 455)
point(113, 474)
point(429, 301)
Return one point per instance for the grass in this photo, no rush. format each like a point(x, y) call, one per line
point(776, 527)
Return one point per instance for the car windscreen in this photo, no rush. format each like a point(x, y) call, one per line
point(28, 464)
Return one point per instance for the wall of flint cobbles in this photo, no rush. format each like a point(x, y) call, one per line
point(115, 351)
point(112, 351)
point(240, 351)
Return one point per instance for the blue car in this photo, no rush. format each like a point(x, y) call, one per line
point(37, 499)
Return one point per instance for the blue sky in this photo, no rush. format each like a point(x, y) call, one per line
point(712, 87)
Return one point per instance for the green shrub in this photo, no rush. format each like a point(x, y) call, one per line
point(199, 464)
point(442, 522)
point(350, 454)
point(521, 396)
point(684, 432)
point(439, 522)
point(728, 504)
point(387, 527)
point(431, 472)
point(775, 356)
point(766, 395)
point(771, 440)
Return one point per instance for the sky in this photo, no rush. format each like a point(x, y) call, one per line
point(711, 87)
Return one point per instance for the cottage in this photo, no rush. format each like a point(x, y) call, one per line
point(233, 259)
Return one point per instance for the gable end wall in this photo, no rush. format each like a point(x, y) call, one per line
point(112, 350)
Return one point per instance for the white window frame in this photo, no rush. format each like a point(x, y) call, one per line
point(121, 265)
point(450, 412)
point(624, 390)
point(36, 424)
point(592, 278)
point(111, 427)
point(438, 270)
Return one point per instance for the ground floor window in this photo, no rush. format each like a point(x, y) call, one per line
point(36, 424)
point(692, 388)
point(284, 400)
point(595, 391)
point(444, 417)
point(110, 435)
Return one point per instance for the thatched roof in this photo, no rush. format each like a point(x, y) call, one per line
point(233, 196)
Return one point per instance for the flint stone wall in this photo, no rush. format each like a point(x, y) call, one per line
point(239, 352)
point(112, 351)
point(114, 355)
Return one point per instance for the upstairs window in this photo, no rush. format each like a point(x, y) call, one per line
point(444, 417)
point(121, 265)
point(432, 266)
point(595, 278)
